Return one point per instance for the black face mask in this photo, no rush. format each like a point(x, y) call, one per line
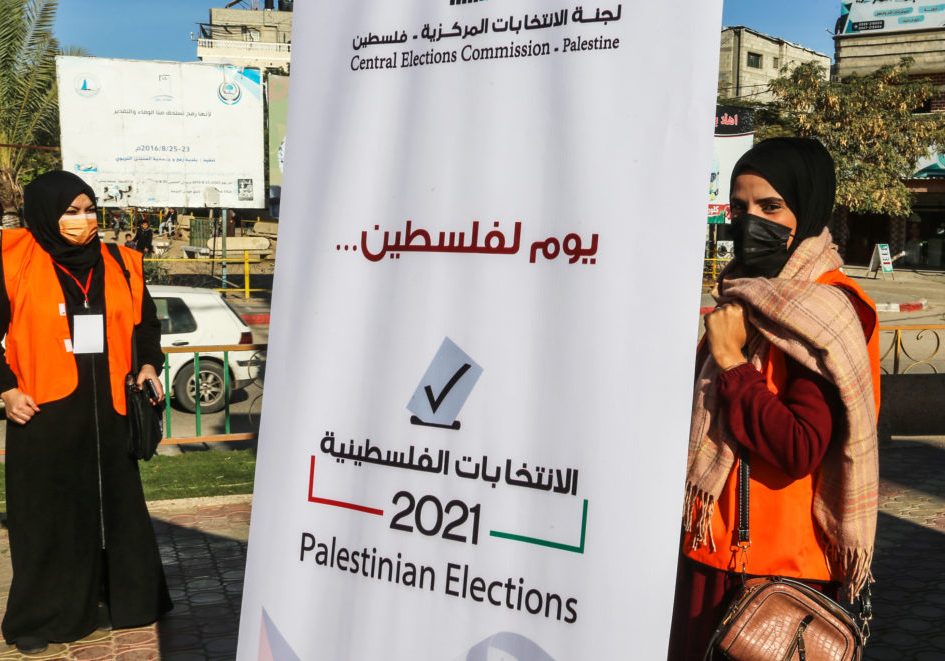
point(760, 245)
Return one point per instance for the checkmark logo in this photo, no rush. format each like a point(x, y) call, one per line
point(444, 388)
point(436, 401)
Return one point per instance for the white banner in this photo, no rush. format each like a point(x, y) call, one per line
point(874, 16)
point(483, 331)
point(163, 133)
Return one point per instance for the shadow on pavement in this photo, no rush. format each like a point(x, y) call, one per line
point(915, 464)
point(203, 550)
point(205, 577)
point(909, 593)
point(909, 562)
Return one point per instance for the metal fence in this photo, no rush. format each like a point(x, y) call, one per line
point(257, 362)
point(912, 349)
point(711, 268)
point(904, 349)
point(245, 260)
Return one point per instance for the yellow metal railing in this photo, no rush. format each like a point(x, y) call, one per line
point(711, 268)
point(245, 259)
point(912, 349)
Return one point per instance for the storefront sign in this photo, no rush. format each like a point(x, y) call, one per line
point(472, 448)
point(734, 135)
point(878, 16)
point(881, 259)
point(930, 167)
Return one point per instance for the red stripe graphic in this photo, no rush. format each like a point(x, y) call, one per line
point(335, 503)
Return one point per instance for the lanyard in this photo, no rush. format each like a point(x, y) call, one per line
point(84, 290)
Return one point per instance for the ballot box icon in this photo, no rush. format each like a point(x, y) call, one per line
point(444, 388)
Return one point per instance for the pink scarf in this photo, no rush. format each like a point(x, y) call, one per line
point(817, 326)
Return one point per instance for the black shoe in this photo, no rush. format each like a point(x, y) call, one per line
point(31, 645)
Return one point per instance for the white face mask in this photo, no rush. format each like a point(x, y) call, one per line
point(78, 229)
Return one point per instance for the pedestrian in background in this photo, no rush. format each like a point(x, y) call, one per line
point(144, 238)
point(116, 224)
point(82, 547)
point(168, 223)
point(787, 381)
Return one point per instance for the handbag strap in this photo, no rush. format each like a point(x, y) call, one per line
point(116, 255)
point(863, 605)
point(744, 501)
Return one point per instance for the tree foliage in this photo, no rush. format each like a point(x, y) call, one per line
point(870, 126)
point(29, 109)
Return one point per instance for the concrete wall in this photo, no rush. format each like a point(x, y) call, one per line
point(738, 80)
point(259, 54)
point(265, 25)
point(912, 405)
point(248, 38)
point(862, 54)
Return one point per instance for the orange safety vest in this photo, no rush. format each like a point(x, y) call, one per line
point(785, 538)
point(38, 346)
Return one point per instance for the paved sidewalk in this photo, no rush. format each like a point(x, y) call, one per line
point(203, 545)
point(909, 593)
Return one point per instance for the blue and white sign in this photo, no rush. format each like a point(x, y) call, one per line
point(163, 133)
point(874, 16)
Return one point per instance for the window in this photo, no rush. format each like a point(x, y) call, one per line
point(776, 62)
point(174, 316)
point(754, 60)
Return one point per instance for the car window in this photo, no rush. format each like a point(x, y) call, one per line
point(175, 316)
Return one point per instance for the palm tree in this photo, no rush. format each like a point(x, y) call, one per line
point(29, 109)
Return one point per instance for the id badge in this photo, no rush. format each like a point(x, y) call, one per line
point(88, 333)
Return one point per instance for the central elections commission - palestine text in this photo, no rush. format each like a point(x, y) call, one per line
point(470, 53)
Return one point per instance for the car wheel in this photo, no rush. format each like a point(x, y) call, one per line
point(211, 387)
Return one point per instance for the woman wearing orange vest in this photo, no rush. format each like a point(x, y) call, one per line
point(82, 547)
point(788, 380)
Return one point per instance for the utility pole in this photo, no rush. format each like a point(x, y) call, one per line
point(225, 226)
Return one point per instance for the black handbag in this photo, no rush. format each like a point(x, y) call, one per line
point(145, 426)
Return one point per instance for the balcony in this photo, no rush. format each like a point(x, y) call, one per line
point(261, 54)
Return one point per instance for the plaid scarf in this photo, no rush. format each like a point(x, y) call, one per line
point(817, 326)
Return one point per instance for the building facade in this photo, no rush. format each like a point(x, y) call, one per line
point(870, 36)
point(247, 38)
point(750, 60)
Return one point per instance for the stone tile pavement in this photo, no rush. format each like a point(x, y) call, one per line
point(909, 593)
point(203, 545)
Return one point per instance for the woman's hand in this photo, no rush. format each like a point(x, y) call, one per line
point(727, 333)
point(148, 373)
point(20, 407)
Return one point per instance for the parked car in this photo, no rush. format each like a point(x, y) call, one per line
point(193, 317)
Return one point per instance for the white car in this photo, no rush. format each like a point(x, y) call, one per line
point(193, 317)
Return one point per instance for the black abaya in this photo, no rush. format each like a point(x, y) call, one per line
point(79, 528)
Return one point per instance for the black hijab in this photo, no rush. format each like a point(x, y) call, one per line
point(802, 171)
point(45, 200)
